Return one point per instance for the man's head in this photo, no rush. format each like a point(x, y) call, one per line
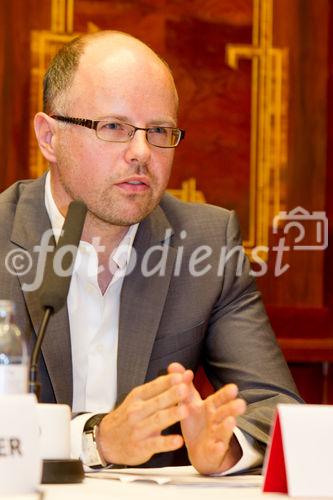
point(63, 66)
point(115, 77)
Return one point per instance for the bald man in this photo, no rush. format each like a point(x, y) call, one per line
point(124, 350)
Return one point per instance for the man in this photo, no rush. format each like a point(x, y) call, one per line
point(129, 340)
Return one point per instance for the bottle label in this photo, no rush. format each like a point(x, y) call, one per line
point(13, 379)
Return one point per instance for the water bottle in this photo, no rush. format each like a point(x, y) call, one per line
point(13, 353)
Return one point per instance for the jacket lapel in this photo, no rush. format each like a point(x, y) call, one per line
point(142, 298)
point(142, 301)
point(30, 223)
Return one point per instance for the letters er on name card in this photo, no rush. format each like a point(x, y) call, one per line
point(20, 462)
point(299, 456)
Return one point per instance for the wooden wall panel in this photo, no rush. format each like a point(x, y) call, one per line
point(328, 275)
point(301, 304)
point(302, 26)
point(15, 16)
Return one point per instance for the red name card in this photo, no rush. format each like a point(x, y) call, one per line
point(299, 456)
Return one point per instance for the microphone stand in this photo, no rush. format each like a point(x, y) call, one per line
point(57, 470)
point(34, 385)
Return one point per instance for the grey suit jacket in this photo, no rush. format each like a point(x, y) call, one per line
point(216, 320)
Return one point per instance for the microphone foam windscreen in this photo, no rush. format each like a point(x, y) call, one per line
point(60, 262)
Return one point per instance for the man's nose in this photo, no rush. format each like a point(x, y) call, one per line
point(138, 148)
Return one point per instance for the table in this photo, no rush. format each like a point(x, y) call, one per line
point(103, 489)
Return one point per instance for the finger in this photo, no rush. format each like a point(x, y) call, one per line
point(172, 397)
point(188, 377)
point(160, 444)
point(178, 368)
point(157, 386)
point(233, 408)
point(227, 393)
point(156, 423)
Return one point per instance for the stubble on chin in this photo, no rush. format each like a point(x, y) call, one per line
point(116, 216)
point(115, 212)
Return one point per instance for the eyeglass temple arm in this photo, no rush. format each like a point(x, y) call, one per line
point(77, 121)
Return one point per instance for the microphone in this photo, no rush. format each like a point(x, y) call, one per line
point(53, 296)
point(54, 288)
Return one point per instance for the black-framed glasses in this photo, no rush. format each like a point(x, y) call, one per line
point(115, 131)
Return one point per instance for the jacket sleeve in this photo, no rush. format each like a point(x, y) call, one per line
point(241, 346)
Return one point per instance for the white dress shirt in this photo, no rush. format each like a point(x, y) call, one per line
point(93, 319)
point(94, 325)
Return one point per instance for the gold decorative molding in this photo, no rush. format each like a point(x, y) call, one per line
point(62, 14)
point(269, 103)
point(188, 192)
point(44, 45)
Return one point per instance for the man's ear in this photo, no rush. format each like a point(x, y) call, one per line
point(44, 129)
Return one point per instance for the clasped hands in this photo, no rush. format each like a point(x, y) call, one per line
point(131, 433)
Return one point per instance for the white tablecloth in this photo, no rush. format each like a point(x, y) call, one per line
point(100, 489)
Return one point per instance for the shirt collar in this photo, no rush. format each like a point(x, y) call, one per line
point(56, 218)
point(120, 255)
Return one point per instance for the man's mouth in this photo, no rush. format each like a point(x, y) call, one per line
point(134, 185)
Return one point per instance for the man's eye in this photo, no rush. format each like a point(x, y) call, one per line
point(159, 130)
point(113, 126)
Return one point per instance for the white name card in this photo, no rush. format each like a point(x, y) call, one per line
point(20, 462)
point(299, 458)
